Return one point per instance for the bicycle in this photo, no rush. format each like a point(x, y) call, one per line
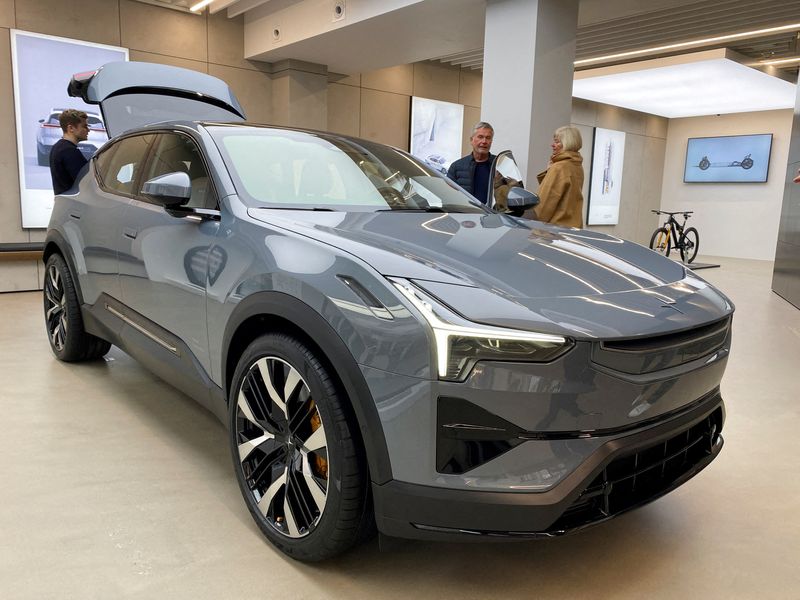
point(688, 240)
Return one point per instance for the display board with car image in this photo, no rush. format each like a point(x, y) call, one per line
point(728, 159)
point(436, 132)
point(605, 188)
point(41, 65)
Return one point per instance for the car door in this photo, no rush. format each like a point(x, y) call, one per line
point(94, 223)
point(164, 258)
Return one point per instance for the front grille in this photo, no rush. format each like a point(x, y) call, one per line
point(637, 478)
point(645, 355)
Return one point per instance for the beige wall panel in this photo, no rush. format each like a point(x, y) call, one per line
point(252, 88)
point(7, 14)
point(89, 20)
point(279, 115)
point(226, 43)
point(17, 276)
point(385, 117)
point(650, 196)
point(194, 65)
point(37, 235)
point(469, 92)
point(584, 112)
point(11, 223)
point(354, 80)
point(344, 109)
point(620, 119)
point(471, 116)
point(162, 31)
point(656, 126)
point(437, 82)
point(308, 100)
point(399, 79)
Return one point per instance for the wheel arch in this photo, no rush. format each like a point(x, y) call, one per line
point(268, 312)
point(55, 243)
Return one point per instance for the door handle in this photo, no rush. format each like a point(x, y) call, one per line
point(130, 233)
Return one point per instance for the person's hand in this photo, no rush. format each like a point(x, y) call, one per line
point(797, 177)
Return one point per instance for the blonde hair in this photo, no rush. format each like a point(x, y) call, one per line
point(569, 137)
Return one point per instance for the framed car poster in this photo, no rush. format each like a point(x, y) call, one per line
point(42, 66)
point(436, 130)
point(608, 154)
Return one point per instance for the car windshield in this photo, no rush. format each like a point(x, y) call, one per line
point(276, 168)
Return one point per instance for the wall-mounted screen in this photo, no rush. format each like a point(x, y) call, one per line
point(42, 67)
point(605, 189)
point(728, 159)
point(436, 128)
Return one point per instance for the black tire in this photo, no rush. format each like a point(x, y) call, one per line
point(308, 492)
point(704, 164)
point(690, 243)
point(62, 316)
point(747, 163)
point(660, 241)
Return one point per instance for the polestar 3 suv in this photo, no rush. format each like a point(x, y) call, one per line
point(385, 351)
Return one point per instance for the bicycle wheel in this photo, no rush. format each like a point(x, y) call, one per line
point(689, 244)
point(660, 241)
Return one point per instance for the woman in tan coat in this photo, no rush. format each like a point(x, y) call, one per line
point(560, 196)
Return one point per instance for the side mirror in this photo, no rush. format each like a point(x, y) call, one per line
point(171, 190)
point(41, 120)
point(519, 200)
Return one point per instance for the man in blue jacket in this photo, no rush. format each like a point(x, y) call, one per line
point(472, 171)
point(66, 160)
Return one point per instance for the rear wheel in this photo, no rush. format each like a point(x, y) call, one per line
point(62, 314)
point(660, 241)
point(298, 463)
point(690, 244)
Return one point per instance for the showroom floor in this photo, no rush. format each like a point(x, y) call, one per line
point(113, 485)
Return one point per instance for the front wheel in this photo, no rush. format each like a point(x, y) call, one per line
point(660, 241)
point(690, 243)
point(747, 163)
point(298, 462)
point(62, 315)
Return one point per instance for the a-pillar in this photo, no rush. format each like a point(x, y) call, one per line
point(529, 50)
point(300, 94)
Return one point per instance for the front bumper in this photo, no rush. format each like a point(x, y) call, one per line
point(625, 471)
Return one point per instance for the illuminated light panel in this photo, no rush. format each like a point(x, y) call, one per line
point(689, 44)
point(200, 5)
point(705, 83)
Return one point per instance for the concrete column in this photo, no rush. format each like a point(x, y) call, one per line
point(529, 50)
point(300, 94)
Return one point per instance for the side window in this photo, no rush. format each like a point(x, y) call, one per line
point(175, 152)
point(119, 165)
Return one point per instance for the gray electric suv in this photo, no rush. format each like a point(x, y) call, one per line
point(384, 350)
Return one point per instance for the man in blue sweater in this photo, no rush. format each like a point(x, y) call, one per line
point(66, 160)
point(472, 171)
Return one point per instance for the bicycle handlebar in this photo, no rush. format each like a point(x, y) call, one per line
point(680, 212)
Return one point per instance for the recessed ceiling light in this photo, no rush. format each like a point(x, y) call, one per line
point(689, 85)
point(780, 61)
point(200, 5)
point(689, 44)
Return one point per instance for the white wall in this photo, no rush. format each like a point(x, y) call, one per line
point(734, 219)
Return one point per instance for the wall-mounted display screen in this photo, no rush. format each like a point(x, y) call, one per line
point(605, 190)
point(728, 159)
point(436, 128)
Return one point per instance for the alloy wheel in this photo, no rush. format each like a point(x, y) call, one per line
point(55, 308)
point(282, 447)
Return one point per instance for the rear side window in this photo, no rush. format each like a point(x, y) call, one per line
point(119, 166)
point(174, 152)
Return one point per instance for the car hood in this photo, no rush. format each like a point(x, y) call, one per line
point(500, 270)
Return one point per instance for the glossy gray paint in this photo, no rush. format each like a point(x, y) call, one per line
point(177, 292)
point(189, 276)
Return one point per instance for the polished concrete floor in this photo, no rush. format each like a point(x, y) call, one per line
point(113, 485)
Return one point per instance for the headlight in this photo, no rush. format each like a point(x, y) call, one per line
point(461, 343)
